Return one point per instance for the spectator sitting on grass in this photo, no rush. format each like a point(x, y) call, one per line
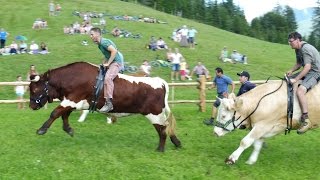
point(153, 43)
point(23, 47)
point(161, 44)
point(237, 57)
point(34, 48)
point(43, 48)
point(116, 32)
point(145, 68)
point(13, 48)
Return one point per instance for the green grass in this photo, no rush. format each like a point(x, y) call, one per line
point(126, 150)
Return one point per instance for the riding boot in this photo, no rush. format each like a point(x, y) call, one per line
point(107, 107)
point(305, 124)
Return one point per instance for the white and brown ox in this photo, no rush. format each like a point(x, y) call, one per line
point(264, 111)
point(73, 86)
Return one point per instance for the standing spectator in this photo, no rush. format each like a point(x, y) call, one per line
point(58, 9)
point(169, 55)
point(191, 37)
point(183, 69)
point(3, 38)
point(19, 89)
point(32, 71)
point(246, 85)
point(200, 69)
point(145, 68)
point(34, 48)
point(176, 59)
point(51, 8)
point(184, 36)
point(221, 82)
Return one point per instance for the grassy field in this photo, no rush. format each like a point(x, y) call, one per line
point(126, 150)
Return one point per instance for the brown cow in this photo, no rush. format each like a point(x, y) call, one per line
point(73, 86)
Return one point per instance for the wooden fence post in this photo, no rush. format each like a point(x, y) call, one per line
point(202, 93)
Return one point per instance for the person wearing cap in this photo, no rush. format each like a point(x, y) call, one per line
point(221, 82)
point(307, 57)
point(246, 85)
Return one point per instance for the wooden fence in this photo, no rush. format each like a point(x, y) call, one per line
point(201, 85)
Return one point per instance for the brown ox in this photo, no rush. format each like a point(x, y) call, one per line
point(73, 86)
point(264, 110)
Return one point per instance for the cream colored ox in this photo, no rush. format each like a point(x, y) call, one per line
point(264, 111)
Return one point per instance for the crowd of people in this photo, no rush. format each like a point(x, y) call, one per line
point(21, 48)
point(185, 36)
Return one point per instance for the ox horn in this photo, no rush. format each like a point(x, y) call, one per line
point(36, 79)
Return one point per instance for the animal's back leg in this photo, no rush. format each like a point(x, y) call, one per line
point(162, 136)
point(257, 145)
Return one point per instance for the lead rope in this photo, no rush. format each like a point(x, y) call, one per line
point(289, 106)
point(259, 103)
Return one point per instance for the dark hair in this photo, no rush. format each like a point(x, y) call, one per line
point(96, 29)
point(219, 70)
point(295, 35)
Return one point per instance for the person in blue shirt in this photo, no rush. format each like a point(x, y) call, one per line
point(3, 37)
point(246, 85)
point(221, 82)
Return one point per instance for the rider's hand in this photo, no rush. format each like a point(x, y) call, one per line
point(106, 64)
point(289, 73)
point(293, 81)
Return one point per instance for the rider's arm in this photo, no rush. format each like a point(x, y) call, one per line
point(113, 52)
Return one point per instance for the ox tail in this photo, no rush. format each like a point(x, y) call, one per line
point(171, 120)
point(171, 126)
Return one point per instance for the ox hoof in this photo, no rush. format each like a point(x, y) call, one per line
point(41, 131)
point(229, 161)
point(70, 132)
point(160, 149)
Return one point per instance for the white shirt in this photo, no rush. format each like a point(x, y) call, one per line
point(176, 58)
point(34, 47)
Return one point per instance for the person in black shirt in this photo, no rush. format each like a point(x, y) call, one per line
point(246, 85)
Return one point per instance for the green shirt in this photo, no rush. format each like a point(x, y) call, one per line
point(103, 46)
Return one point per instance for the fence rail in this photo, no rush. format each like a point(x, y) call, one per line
point(201, 85)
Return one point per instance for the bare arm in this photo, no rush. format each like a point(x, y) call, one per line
point(113, 51)
point(293, 69)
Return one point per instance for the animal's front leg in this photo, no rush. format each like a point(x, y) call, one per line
point(56, 113)
point(257, 145)
point(244, 144)
point(66, 127)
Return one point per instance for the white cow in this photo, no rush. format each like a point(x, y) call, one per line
point(264, 111)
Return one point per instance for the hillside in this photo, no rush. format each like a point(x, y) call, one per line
point(264, 58)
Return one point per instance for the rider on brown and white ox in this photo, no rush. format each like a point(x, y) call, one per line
point(73, 86)
point(264, 109)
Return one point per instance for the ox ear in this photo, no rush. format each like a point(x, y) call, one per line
point(232, 96)
point(238, 103)
point(34, 78)
point(218, 98)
